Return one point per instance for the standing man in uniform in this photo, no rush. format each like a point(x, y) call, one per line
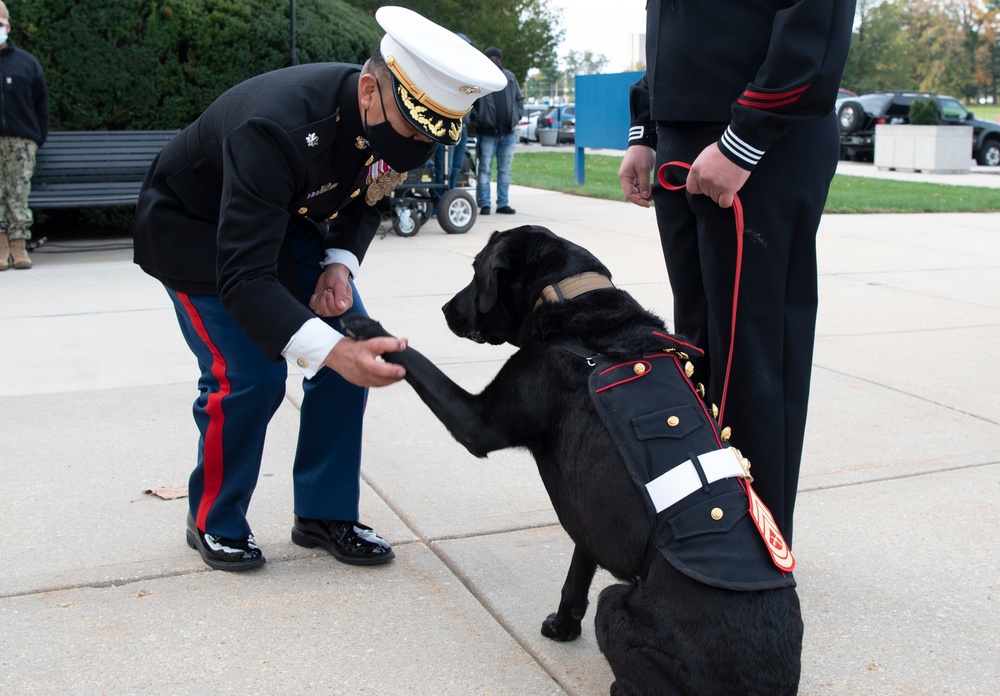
point(256, 218)
point(24, 126)
point(494, 119)
point(744, 92)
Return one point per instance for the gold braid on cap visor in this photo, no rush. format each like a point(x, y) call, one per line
point(408, 91)
point(417, 113)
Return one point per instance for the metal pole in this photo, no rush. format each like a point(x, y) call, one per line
point(293, 51)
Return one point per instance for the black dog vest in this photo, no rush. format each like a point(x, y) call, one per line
point(691, 479)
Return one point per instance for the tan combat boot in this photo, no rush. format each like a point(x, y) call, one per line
point(19, 253)
point(4, 252)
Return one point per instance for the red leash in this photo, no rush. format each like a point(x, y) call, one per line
point(781, 555)
point(738, 212)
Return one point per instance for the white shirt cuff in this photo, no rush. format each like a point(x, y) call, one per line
point(310, 345)
point(342, 256)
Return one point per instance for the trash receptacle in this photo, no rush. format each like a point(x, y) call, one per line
point(548, 136)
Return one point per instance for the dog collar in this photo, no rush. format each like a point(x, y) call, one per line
point(574, 286)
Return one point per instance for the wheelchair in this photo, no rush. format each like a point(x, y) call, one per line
point(415, 201)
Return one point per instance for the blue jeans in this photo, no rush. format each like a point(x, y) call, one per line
point(457, 158)
point(501, 147)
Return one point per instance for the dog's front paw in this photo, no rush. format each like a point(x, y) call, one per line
point(361, 327)
point(562, 630)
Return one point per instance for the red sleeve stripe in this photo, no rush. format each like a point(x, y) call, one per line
point(762, 100)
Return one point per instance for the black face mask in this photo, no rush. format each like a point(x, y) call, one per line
point(398, 151)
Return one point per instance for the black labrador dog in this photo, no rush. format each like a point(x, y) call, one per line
point(670, 627)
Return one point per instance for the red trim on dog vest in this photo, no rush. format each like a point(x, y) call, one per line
point(644, 364)
point(696, 349)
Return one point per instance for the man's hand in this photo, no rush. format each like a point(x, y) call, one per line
point(332, 296)
point(358, 363)
point(635, 173)
point(714, 175)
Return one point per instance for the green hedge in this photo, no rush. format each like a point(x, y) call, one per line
point(924, 112)
point(151, 64)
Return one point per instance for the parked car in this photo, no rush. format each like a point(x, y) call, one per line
point(526, 128)
point(859, 116)
point(562, 118)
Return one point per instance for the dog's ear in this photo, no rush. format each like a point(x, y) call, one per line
point(488, 274)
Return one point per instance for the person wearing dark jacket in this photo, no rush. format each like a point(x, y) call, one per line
point(256, 218)
point(744, 93)
point(24, 126)
point(494, 119)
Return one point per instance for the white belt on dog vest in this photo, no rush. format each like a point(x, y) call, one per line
point(683, 479)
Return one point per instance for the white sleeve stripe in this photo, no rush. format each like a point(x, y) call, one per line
point(636, 132)
point(743, 144)
point(752, 161)
point(748, 154)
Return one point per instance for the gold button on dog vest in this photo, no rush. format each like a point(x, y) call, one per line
point(673, 421)
point(303, 211)
point(302, 362)
point(638, 368)
point(716, 513)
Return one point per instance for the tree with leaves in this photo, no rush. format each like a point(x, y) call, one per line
point(522, 29)
point(946, 46)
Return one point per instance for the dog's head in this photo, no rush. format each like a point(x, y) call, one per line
point(508, 277)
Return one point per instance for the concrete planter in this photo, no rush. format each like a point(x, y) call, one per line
point(937, 149)
point(548, 136)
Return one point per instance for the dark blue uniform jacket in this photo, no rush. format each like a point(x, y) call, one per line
point(277, 150)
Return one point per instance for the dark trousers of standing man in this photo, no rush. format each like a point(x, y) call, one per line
point(775, 328)
point(240, 390)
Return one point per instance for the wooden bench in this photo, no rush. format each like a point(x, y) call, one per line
point(76, 169)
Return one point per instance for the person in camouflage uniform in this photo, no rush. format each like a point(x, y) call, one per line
point(24, 125)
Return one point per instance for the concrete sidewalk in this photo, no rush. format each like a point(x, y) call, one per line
point(895, 528)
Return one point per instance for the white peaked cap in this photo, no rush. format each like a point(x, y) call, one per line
point(437, 75)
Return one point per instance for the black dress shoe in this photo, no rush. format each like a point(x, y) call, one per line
point(349, 542)
point(506, 210)
point(222, 553)
point(485, 210)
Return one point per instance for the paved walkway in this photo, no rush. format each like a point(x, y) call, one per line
point(895, 530)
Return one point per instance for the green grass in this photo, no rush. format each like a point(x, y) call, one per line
point(986, 112)
point(553, 171)
point(858, 194)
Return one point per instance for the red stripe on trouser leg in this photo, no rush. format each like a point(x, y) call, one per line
point(212, 456)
